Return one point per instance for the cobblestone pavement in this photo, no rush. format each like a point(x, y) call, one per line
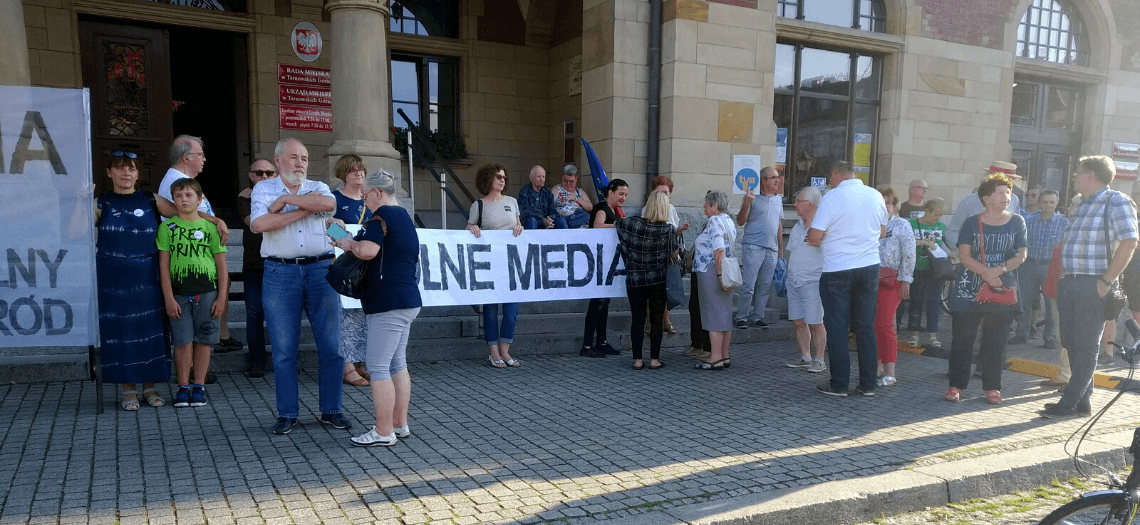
point(560, 439)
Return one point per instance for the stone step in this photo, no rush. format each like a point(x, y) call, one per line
point(525, 344)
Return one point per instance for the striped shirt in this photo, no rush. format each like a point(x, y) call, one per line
point(1086, 249)
point(1044, 234)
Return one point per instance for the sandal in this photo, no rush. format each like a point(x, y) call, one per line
point(639, 367)
point(669, 328)
point(953, 395)
point(727, 362)
point(152, 397)
point(715, 365)
point(359, 381)
point(130, 405)
point(993, 397)
point(497, 363)
point(513, 363)
point(363, 372)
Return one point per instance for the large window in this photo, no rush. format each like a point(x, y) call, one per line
point(1053, 32)
point(828, 103)
point(425, 17)
point(868, 15)
point(427, 89)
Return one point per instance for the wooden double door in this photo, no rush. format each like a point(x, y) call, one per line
point(151, 83)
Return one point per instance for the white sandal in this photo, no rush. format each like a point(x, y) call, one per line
point(497, 363)
point(372, 439)
point(130, 405)
point(514, 363)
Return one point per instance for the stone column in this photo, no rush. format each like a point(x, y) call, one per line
point(14, 68)
point(359, 69)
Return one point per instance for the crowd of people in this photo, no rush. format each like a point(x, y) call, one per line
point(854, 258)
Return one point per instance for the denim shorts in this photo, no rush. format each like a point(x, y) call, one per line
point(196, 324)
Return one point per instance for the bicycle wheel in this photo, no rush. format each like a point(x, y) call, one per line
point(1107, 507)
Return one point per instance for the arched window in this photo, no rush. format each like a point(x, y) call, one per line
point(425, 17)
point(868, 15)
point(1053, 32)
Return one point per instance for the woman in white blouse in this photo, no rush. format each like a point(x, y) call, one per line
point(711, 247)
point(896, 272)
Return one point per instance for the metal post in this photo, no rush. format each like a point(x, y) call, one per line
point(411, 173)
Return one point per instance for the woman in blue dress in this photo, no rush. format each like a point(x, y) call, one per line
point(350, 209)
point(131, 312)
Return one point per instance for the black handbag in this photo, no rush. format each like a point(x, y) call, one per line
point(348, 274)
point(941, 268)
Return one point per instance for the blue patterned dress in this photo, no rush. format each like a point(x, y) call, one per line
point(131, 309)
point(353, 324)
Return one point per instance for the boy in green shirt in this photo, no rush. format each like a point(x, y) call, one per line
point(192, 268)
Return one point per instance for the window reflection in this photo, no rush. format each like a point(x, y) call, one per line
point(1024, 104)
point(868, 15)
point(1061, 112)
point(785, 67)
point(825, 72)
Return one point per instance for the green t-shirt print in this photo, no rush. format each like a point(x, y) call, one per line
point(192, 246)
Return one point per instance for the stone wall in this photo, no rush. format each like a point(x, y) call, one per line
point(717, 76)
point(53, 44)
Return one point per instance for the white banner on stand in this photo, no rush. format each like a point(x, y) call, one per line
point(47, 293)
point(539, 265)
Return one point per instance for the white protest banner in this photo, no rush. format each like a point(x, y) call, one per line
point(47, 294)
point(539, 265)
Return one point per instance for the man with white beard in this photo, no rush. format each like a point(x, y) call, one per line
point(290, 211)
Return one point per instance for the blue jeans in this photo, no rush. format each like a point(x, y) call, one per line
point(849, 298)
point(759, 269)
point(493, 333)
point(1081, 312)
point(535, 223)
point(925, 292)
point(287, 289)
point(578, 219)
point(254, 317)
point(1030, 277)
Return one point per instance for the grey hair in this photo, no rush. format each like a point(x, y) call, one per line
point(279, 149)
point(182, 146)
point(810, 194)
point(717, 198)
point(383, 181)
point(570, 170)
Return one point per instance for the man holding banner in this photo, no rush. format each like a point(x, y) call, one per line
point(290, 211)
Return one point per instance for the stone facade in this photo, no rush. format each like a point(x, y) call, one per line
point(945, 98)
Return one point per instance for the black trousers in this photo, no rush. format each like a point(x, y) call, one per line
point(597, 317)
point(699, 336)
point(641, 299)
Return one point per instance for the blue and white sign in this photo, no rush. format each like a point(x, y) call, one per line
point(745, 174)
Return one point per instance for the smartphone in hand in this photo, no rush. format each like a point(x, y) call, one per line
point(336, 232)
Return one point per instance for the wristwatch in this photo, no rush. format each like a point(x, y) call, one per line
point(1004, 269)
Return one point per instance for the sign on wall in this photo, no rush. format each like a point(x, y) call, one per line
point(1127, 159)
point(305, 96)
point(745, 174)
point(47, 282)
point(550, 265)
point(306, 41)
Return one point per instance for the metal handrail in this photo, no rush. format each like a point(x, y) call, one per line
point(443, 163)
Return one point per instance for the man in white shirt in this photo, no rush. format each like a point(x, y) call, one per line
point(847, 227)
point(805, 265)
point(760, 216)
point(290, 211)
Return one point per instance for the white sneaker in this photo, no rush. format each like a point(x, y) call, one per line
point(887, 381)
point(816, 366)
point(372, 439)
point(403, 432)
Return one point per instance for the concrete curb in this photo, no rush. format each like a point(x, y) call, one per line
point(909, 490)
point(1048, 370)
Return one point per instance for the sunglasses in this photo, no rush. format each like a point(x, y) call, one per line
point(500, 177)
point(263, 173)
point(127, 154)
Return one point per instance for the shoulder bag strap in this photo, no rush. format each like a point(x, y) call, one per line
point(1107, 232)
point(361, 219)
point(981, 241)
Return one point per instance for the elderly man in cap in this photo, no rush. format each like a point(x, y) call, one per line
point(972, 205)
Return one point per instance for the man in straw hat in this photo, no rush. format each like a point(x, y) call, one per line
point(972, 205)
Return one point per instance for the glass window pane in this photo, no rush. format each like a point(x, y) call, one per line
point(425, 17)
point(820, 138)
point(1024, 104)
point(825, 72)
point(1056, 168)
point(785, 67)
point(1062, 111)
point(865, 125)
point(405, 81)
point(412, 110)
point(866, 78)
point(834, 12)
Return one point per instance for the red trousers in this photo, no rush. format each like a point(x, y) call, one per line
point(886, 338)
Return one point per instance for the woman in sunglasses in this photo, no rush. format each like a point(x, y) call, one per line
point(131, 309)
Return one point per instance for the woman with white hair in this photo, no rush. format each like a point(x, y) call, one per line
point(391, 302)
point(711, 247)
point(805, 266)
